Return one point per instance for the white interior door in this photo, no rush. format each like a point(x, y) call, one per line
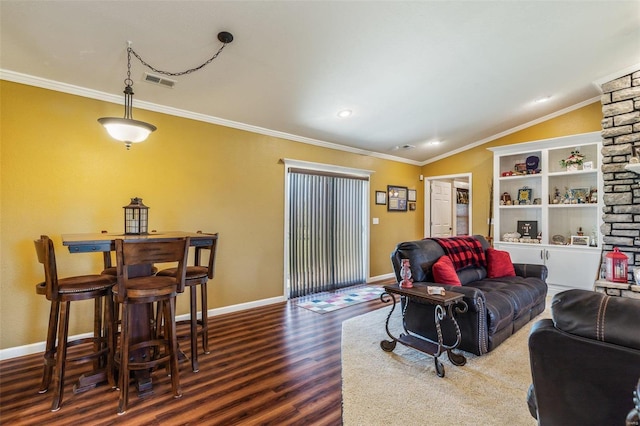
point(441, 209)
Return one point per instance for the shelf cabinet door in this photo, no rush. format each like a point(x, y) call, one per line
point(571, 267)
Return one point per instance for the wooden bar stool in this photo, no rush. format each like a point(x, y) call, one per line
point(132, 291)
point(61, 292)
point(109, 269)
point(198, 275)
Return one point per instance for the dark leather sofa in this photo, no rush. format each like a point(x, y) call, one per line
point(585, 362)
point(497, 307)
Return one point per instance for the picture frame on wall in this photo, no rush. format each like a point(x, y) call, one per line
point(412, 195)
point(397, 198)
point(381, 198)
point(412, 205)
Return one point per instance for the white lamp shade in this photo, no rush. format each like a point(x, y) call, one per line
point(126, 129)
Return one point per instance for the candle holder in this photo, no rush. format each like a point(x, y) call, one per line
point(405, 274)
point(617, 266)
point(136, 218)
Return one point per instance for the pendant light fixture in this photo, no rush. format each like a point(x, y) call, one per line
point(127, 129)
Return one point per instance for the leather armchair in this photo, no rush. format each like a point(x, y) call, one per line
point(585, 362)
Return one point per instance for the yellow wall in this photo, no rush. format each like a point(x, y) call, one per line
point(479, 160)
point(61, 173)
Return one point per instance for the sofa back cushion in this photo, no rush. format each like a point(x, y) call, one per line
point(597, 316)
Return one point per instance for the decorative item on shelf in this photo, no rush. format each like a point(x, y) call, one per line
point(405, 274)
point(508, 173)
point(511, 237)
point(127, 129)
point(579, 240)
point(136, 218)
point(593, 242)
point(537, 201)
point(505, 199)
point(520, 168)
point(529, 240)
point(528, 228)
point(580, 232)
point(532, 163)
point(557, 199)
point(568, 196)
point(617, 265)
point(593, 196)
point(524, 195)
point(573, 161)
point(587, 165)
point(580, 195)
point(558, 240)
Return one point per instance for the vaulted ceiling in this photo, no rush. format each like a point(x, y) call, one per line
point(411, 72)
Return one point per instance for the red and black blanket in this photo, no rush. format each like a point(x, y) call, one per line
point(464, 251)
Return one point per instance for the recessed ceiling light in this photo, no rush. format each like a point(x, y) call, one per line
point(345, 113)
point(542, 99)
point(435, 143)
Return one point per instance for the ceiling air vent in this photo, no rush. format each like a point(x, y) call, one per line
point(160, 81)
point(402, 147)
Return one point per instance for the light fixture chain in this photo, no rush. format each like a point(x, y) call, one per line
point(174, 74)
point(128, 80)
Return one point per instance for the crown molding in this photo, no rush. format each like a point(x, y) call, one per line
point(514, 129)
point(621, 73)
point(149, 106)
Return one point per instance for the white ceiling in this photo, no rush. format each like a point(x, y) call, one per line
point(411, 72)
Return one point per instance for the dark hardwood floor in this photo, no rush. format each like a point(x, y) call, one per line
point(273, 365)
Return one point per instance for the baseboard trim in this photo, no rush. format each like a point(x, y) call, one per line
point(383, 277)
point(34, 348)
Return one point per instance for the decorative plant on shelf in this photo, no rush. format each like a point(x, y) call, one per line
point(575, 159)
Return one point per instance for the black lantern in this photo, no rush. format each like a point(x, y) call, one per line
point(136, 217)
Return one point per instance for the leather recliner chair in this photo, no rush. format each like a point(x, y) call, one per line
point(585, 362)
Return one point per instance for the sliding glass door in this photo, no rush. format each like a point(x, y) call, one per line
point(327, 230)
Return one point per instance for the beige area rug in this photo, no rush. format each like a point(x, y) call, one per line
point(402, 388)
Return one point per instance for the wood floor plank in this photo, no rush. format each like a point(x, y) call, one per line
point(273, 365)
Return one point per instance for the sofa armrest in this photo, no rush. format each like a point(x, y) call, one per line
point(531, 270)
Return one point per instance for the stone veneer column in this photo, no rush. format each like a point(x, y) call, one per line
point(620, 134)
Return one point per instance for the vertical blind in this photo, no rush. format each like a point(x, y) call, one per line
point(326, 231)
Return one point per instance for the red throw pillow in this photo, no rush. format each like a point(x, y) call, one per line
point(499, 264)
point(444, 272)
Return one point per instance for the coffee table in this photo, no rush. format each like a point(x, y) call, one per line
point(444, 308)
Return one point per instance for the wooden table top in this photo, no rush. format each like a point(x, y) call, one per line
point(420, 290)
point(94, 242)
